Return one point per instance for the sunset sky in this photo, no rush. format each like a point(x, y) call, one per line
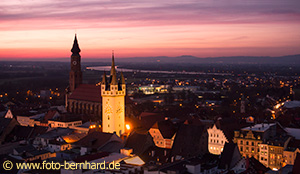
point(143, 28)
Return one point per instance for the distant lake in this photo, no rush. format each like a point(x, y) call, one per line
point(107, 68)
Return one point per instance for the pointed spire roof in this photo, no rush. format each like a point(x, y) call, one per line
point(113, 68)
point(122, 80)
point(114, 80)
point(75, 49)
point(113, 72)
point(104, 79)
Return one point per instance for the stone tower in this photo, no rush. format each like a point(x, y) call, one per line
point(75, 73)
point(113, 102)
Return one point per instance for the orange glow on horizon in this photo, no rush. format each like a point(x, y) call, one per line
point(45, 29)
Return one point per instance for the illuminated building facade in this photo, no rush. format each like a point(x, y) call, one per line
point(113, 98)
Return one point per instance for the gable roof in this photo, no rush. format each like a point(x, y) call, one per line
point(254, 166)
point(228, 159)
point(95, 140)
point(188, 141)
point(25, 132)
point(20, 132)
point(228, 126)
point(166, 128)
point(26, 148)
point(144, 142)
point(149, 118)
point(4, 123)
point(55, 133)
point(50, 114)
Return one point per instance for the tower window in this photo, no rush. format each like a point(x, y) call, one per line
point(107, 125)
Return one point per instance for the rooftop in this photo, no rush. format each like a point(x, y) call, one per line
point(87, 92)
point(259, 127)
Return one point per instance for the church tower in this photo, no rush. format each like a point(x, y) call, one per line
point(113, 102)
point(75, 73)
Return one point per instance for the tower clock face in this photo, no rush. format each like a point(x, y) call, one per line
point(107, 110)
point(119, 109)
point(74, 63)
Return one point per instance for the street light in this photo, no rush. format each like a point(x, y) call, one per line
point(127, 127)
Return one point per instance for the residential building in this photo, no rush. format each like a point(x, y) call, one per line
point(6, 126)
point(220, 133)
point(163, 134)
point(249, 138)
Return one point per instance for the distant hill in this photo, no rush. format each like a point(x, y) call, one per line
point(187, 59)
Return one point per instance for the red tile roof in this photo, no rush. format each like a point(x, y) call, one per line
point(50, 114)
point(87, 92)
point(166, 128)
point(90, 92)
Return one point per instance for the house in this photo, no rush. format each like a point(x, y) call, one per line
point(64, 123)
point(97, 140)
point(51, 114)
point(74, 137)
point(230, 158)
point(25, 133)
point(56, 146)
point(220, 133)
point(39, 154)
point(139, 143)
point(272, 151)
point(54, 134)
point(6, 126)
point(163, 134)
point(22, 149)
point(28, 118)
point(30, 153)
point(291, 151)
point(6, 114)
point(249, 138)
point(148, 119)
point(254, 166)
point(190, 141)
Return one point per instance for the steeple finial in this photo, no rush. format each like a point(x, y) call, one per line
point(75, 49)
point(113, 68)
point(113, 72)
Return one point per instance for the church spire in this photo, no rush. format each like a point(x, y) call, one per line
point(75, 49)
point(113, 68)
point(113, 72)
